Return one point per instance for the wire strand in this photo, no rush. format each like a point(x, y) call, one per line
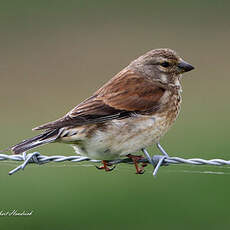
point(156, 161)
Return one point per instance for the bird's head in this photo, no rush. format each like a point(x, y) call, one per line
point(163, 65)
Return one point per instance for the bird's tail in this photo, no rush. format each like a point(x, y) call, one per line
point(41, 139)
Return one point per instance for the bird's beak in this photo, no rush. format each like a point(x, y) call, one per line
point(184, 66)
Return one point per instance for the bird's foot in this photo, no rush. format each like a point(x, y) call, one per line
point(105, 166)
point(135, 160)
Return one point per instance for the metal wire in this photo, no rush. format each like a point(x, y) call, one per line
point(156, 160)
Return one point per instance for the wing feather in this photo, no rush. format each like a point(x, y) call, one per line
point(125, 94)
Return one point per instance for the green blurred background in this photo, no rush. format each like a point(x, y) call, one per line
point(54, 54)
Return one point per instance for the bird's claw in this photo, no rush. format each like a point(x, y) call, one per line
point(135, 161)
point(140, 171)
point(105, 166)
point(144, 165)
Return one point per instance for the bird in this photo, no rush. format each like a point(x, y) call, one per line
point(130, 112)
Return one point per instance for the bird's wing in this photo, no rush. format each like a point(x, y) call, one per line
point(125, 94)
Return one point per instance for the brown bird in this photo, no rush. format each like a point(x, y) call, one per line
point(130, 112)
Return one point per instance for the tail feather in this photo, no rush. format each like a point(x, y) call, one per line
point(41, 139)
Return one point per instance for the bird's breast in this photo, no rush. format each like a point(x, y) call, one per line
point(121, 137)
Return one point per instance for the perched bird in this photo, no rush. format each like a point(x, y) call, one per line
point(130, 112)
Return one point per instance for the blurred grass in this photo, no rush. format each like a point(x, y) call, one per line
point(55, 54)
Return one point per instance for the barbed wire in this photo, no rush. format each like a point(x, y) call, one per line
point(156, 160)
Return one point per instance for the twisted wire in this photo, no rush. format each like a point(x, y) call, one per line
point(156, 160)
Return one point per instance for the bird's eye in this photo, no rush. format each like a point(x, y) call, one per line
point(165, 64)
